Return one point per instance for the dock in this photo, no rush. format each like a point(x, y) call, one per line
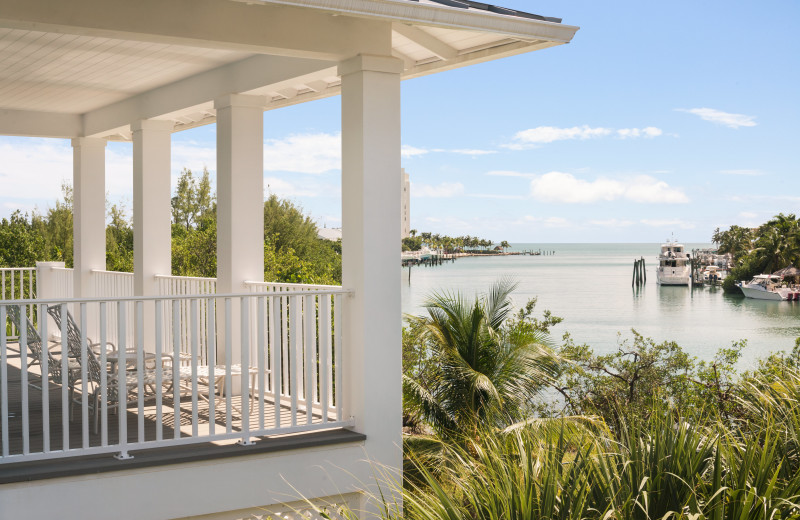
point(703, 258)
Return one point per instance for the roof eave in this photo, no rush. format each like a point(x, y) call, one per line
point(438, 16)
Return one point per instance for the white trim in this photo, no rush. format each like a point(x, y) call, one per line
point(30, 123)
point(438, 16)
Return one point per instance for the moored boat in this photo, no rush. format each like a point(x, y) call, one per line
point(674, 265)
point(712, 275)
point(767, 287)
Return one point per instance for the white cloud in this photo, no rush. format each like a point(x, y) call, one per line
point(469, 151)
point(566, 188)
point(34, 169)
point(611, 223)
point(507, 173)
point(495, 196)
point(556, 222)
point(550, 222)
point(284, 188)
point(668, 223)
point(194, 156)
point(548, 134)
point(753, 173)
point(443, 190)
point(748, 214)
point(408, 151)
point(304, 153)
point(648, 132)
point(721, 118)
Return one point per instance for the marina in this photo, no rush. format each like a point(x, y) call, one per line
point(589, 286)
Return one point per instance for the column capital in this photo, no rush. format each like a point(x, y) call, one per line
point(240, 100)
point(78, 142)
point(156, 125)
point(372, 63)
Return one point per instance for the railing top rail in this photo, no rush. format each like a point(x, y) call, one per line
point(175, 297)
point(176, 277)
point(103, 271)
point(54, 268)
point(17, 268)
point(269, 284)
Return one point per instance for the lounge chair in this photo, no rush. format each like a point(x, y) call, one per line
point(94, 370)
point(36, 350)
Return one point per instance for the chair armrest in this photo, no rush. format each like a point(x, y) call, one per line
point(95, 347)
point(182, 357)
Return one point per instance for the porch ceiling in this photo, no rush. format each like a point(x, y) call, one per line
point(91, 67)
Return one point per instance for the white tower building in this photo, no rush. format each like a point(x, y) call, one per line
point(405, 222)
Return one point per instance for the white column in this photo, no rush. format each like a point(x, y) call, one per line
point(240, 191)
point(152, 247)
point(240, 203)
point(152, 230)
point(371, 252)
point(89, 211)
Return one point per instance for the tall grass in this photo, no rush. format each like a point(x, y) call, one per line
point(666, 467)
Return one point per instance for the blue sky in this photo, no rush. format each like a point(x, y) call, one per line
point(658, 118)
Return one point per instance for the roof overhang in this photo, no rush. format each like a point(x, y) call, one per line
point(92, 67)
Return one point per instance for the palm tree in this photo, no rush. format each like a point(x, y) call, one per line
point(484, 375)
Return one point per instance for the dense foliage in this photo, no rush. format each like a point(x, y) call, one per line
point(766, 249)
point(292, 250)
point(644, 432)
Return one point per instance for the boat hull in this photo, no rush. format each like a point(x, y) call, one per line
point(673, 277)
point(759, 294)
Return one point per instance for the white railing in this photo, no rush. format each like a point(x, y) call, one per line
point(273, 287)
point(287, 379)
point(289, 309)
point(111, 284)
point(18, 283)
point(187, 286)
point(63, 281)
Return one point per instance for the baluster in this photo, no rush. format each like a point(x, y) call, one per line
point(23, 355)
point(45, 364)
point(277, 351)
point(324, 349)
point(337, 394)
point(4, 376)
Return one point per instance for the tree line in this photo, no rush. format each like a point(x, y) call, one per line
point(446, 243)
point(765, 249)
point(293, 253)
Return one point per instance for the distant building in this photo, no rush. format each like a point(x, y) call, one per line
point(332, 234)
point(405, 222)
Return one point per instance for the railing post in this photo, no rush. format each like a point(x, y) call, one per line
point(47, 286)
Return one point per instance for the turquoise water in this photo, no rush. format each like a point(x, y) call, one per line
point(589, 285)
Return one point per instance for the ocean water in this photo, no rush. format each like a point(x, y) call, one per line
point(589, 285)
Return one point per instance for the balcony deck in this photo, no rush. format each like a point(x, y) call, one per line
point(24, 470)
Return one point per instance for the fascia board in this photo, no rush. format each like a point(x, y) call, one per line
point(438, 16)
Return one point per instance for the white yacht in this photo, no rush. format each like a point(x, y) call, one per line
point(766, 287)
point(674, 265)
